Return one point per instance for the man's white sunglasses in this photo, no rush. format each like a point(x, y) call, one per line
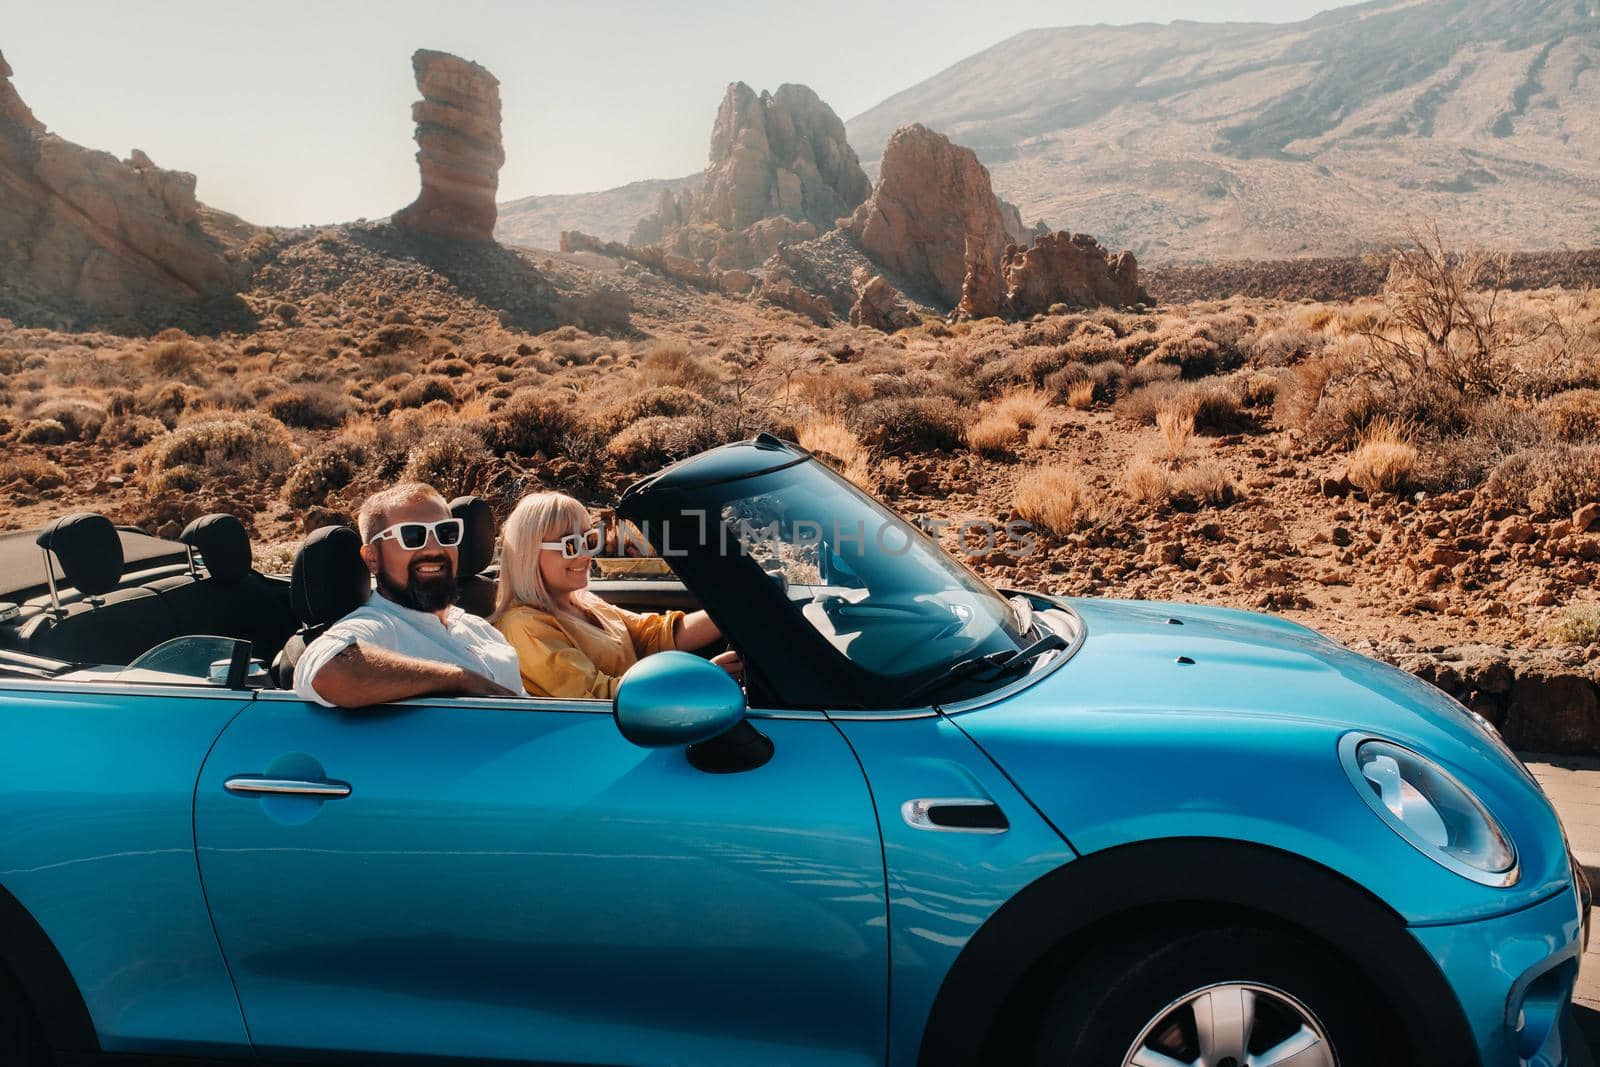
point(575, 545)
point(413, 535)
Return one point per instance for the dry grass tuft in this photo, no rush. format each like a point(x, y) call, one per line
point(1054, 498)
point(1147, 481)
point(1385, 460)
point(1579, 624)
point(1024, 408)
point(35, 471)
point(1080, 395)
point(1176, 424)
point(1203, 484)
point(838, 446)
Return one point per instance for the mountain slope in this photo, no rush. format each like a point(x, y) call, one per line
point(537, 221)
point(1204, 141)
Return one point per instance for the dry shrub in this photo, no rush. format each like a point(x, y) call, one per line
point(1495, 430)
point(425, 389)
point(81, 419)
point(1282, 345)
point(1147, 481)
point(669, 400)
point(1040, 436)
point(131, 430)
point(909, 425)
point(176, 358)
point(248, 448)
point(1055, 499)
point(534, 421)
point(833, 442)
point(35, 471)
point(671, 363)
point(306, 407)
point(657, 440)
point(1108, 379)
point(993, 434)
point(1579, 624)
point(1177, 430)
point(1203, 484)
point(42, 432)
point(1024, 407)
point(1385, 460)
point(1573, 416)
point(1211, 407)
point(1080, 395)
point(1556, 480)
point(451, 458)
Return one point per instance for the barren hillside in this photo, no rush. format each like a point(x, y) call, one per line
point(1218, 141)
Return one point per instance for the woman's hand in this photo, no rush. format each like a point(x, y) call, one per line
point(730, 662)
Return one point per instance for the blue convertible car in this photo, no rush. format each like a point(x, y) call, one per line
point(938, 824)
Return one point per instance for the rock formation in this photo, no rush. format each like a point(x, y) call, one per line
point(82, 232)
point(981, 290)
point(781, 170)
point(458, 148)
point(931, 200)
point(1067, 268)
point(879, 304)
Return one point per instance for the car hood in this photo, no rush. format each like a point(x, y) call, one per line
point(1174, 719)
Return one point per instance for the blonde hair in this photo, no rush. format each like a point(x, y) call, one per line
point(537, 517)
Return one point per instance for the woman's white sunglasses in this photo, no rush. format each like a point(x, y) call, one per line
point(575, 545)
point(413, 535)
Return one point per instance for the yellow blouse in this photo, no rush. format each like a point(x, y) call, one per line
point(563, 657)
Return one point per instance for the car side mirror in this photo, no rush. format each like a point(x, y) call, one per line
point(675, 698)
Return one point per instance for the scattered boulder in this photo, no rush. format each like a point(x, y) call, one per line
point(879, 304)
point(780, 288)
point(1068, 268)
point(458, 149)
point(84, 232)
point(781, 170)
point(931, 200)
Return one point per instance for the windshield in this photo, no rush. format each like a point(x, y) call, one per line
point(877, 589)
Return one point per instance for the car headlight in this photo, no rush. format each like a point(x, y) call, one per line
point(1426, 805)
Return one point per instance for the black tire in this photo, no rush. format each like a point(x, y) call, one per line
point(21, 1044)
point(1103, 1004)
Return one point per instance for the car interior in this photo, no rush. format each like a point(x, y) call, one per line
point(85, 592)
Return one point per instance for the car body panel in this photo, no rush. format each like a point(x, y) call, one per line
point(1125, 743)
point(97, 845)
point(943, 885)
point(515, 880)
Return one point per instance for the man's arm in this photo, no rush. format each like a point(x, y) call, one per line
point(362, 674)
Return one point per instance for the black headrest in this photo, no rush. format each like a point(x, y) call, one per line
point(223, 544)
point(330, 579)
point(477, 540)
point(89, 550)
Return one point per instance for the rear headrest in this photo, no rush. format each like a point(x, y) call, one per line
point(89, 550)
point(477, 540)
point(330, 579)
point(223, 544)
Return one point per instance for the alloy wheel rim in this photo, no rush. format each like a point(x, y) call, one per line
point(1233, 1024)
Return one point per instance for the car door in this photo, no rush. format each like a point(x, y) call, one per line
point(512, 879)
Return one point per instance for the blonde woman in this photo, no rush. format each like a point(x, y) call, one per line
point(570, 642)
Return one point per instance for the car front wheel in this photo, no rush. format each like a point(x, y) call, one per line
point(20, 1044)
point(1223, 997)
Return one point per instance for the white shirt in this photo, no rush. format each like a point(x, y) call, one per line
point(462, 639)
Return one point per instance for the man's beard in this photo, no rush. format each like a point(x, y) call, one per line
point(422, 594)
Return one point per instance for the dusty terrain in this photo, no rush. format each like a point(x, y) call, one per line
point(1248, 452)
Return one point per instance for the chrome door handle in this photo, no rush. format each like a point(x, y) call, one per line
point(250, 785)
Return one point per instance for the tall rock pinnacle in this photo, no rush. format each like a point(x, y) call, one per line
point(458, 148)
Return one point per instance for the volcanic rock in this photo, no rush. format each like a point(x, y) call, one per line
point(1071, 269)
point(82, 232)
point(458, 148)
point(932, 197)
point(980, 289)
point(780, 170)
point(879, 304)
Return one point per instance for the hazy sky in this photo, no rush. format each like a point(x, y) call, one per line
point(296, 111)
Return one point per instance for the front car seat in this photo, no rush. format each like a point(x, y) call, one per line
point(328, 582)
point(476, 552)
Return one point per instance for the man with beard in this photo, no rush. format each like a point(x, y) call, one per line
point(408, 640)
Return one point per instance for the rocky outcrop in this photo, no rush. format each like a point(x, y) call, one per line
point(1067, 268)
point(879, 304)
point(458, 149)
point(981, 293)
point(781, 171)
point(84, 233)
point(932, 200)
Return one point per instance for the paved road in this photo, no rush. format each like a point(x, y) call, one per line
point(1573, 784)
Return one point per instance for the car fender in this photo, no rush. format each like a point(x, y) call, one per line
point(1031, 937)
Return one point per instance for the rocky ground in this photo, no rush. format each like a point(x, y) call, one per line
point(1203, 452)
